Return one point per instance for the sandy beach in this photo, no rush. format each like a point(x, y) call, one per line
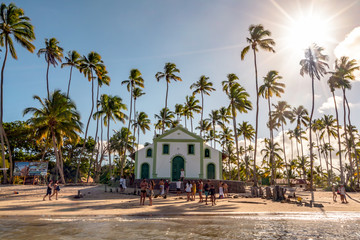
point(28, 202)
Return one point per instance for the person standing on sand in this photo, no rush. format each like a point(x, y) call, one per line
point(221, 190)
point(193, 191)
point(343, 194)
point(161, 184)
point(151, 191)
point(188, 190)
point(178, 187)
point(167, 187)
point(201, 188)
point(226, 190)
point(334, 193)
point(48, 190)
point(143, 187)
point(207, 189)
point(122, 184)
point(182, 174)
point(56, 188)
point(212, 194)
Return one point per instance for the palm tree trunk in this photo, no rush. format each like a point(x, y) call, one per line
point(57, 157)
point(257, 117)
point(47, 80)
point(246, 161)
point(202, 111)
point(311, 144)
point(2, 111)
point(236, 140)
point(9, 150)
point(191, 124)
point(339, 140)
point(286, 164)
point(68, 90)
point(108, 144)
point(165, 110)
point(87, 128)
point(346, 135)
point(127, 136)
point(273, 169)
point(214, 134)
point(330, 155)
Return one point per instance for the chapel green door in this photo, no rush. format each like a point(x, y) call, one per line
point(211, 171)
point(145, 171)
point(177, 165)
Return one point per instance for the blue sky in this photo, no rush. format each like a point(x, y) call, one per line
point(202, 37)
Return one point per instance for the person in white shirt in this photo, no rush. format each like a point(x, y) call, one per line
point(122, 184)
point(178, 187)
point(343, 194)
point(182, 174)
point(188, 187)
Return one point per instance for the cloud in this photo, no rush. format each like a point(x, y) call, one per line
point(350, 47)
point(329, 104)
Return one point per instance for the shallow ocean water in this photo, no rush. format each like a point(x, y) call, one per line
point(247, 226)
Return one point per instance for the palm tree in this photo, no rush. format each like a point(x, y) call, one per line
point(270, 87)
point(301, 117)
point(73, 59)
point(202, 86)
point(53, 53)
point(191, 105)
point(13, 23)
point(179, 111)
point(137, 92)
point(314, 64)
point(57, 118)
point(118, 143)
point(165, 118)
point(142, 123)
point(317, 127)
point(90, 66)
point(328, 123)
point(214, 118)
point(247, 131)
point(281, 114)
point(238, 102)
point(111, 108)
point(224, 116)
point(169, 74)
point(259, 38)
point(204, 126)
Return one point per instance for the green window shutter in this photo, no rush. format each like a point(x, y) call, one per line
point(207, 153)
point(191, 149)
point(149, 152)
point(166, 149)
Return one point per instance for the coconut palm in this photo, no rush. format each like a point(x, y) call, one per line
point(121, 142)
point(179, 111)
point(238, 103)
point(165, 118)
point(202, 86)
point(170, 70)
point(13, 24)
point(204, 126)
point(259, 39)
point(214, 117)
point(328, 124)
point(247, 131)
point(57, 118)
point(53, 54)
point(73, 59)
point(111, 109)
point(142, 122)
point(314, 64)
point(224, 116)
point(301, 117)
point(191, 105)
point(271, 87)
point(317, 127)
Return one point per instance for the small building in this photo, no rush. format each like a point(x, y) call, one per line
point(178, 149)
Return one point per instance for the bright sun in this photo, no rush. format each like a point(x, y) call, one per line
point(306, 30)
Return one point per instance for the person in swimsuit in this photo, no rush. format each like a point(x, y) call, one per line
point(48, 191)
point(207, 189)
point(143, 187)
point(226, 190)
point(167, 187)
point(212, 194)
point(151, 191)
point(193, 191)
point(161, 184)
point(188, 190)
point(221, 190)
point(56, 188)
point(201, 188)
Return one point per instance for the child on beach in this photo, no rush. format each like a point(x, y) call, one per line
point(178, 187)
point(143, 187)
point(48, 191)
point(188, 190)
point(193, 191)
point(201, 188)
point(56, 188)
point(212, 195)
point(207, 189)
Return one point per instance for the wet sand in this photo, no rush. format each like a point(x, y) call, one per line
point(97, 202)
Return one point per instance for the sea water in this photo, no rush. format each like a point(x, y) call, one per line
point(246, 226)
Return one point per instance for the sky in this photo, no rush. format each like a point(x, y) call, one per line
point(202, 37)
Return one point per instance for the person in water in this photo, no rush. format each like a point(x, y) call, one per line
point(56, 188)
point(143, 187)
point(48, 191)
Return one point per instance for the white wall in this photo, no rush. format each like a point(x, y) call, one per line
point(178, 134)
point(214, 158)
point(143, 159)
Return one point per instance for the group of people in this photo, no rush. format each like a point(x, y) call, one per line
point(49, 191)
point(190, 187)
point(340, 191)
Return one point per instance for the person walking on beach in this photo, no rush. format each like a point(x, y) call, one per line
point(212, 195)
point(201, 189)
point(161, 184)
point(143, 187)
point(151, 191)
point(56, 188)
point(193, 191)
point(188, 190)
point(167, 187)
point(226, 190)
point(221, 190)
point(334, 193)
point(178, 187)
point(343, 194)
point(48, 190)
point(122, 184)
point(207, 189)
point(182, 174)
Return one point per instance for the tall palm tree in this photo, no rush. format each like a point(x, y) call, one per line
point(137, 92)
point(13, 24)
point(169, 74)
point(53, 53)
point(142, 122)
point(259, 39)
point(317, 127)
point(214, 117)
point(73, 59)
point(204, 126)
point(328, 123)
point(247, 131)
point(281, 113)
point(118, 143)
point(271, 87)
point(111, 109)
point(238, 103)
point(202, 86)
point(314, 64)
point(179, 111)
point(191, 105)
point(301, 116)
point(224, 116)
point(165, 118)
point(57, 118)
point(91, 66)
